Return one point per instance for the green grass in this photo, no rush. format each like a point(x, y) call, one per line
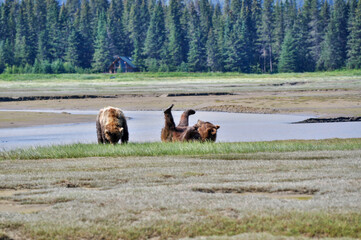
point(174, 149)
point(307, 224)
point(170, 75)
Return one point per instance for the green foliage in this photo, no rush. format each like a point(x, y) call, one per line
point(245, 36)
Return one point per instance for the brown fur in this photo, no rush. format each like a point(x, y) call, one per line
point(182, 132)
point(111, 126)
point(207, 130)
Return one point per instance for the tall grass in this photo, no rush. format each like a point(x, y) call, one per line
point(176, 149)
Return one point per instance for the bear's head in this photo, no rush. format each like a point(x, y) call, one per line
point(113, 133)
point(207, 130)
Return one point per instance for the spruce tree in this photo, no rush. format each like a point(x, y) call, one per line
point(139, 20)
point(85, 30)
point(53, 29)
point(74, 48)
point(20, 53)
point(72, 7)
point(216, 43)
point(288, 57)
point(315, 32)
point(205, 18)
point(279, 30)
point(354, 40)
point(196, 54)
point(290, 14)
point(214, 60)
point(156, 35)
point(267, 37)
point(102, 57)
point(31, 36)
point(176, 48)
point(333, 53)
point(116, 28)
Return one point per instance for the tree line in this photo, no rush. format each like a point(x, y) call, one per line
point(249, 36)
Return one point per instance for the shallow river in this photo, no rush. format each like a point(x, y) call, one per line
point(145, 126)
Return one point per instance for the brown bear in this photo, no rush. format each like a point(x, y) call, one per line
point(182, 132)
point(207, 130)
point(111, 126)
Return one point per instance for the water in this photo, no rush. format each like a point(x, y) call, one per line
point(145, 126)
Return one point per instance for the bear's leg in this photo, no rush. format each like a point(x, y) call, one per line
point(183, 122)
point(99, 132)
point(168, 117)
point(125, 137)
point(169, 128)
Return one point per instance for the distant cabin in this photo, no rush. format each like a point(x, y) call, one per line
point(122, 64)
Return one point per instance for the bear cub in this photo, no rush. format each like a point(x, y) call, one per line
point(111, 126)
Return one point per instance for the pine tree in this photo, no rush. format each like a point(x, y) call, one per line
point(196, 54)
point(290, 14)
point(40, 15)
point(176, 47)
point(139, 20)
point(315, 32)
point(53, 29)
point(31, 36)
point(214, 60)
point(217, 32)
point(354, 40)
point(156, 35)
point(279, 30)
point(102, 57)
point(267, 34)
point(8, 21)
point(205, 18)
point(324, 18)
point(20, 53)
point(74, 48)
point(333, 53)
point(85, 30)
point(288, 57)
point(116, 28)
point(63, 23)
point(72, 7)
point(6, 53)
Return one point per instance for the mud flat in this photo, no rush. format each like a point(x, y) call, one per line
point(328, 120)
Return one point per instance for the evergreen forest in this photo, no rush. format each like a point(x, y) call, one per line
point(248, 36)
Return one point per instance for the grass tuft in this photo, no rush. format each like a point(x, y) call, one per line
point(178, 149)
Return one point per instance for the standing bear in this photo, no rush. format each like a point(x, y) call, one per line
point(111, 126)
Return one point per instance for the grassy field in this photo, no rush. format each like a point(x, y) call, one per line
point(259, 190)
point(266, 190)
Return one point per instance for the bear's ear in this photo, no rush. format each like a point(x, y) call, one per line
point(217, 126)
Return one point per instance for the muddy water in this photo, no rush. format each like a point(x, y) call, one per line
point(145, 126)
